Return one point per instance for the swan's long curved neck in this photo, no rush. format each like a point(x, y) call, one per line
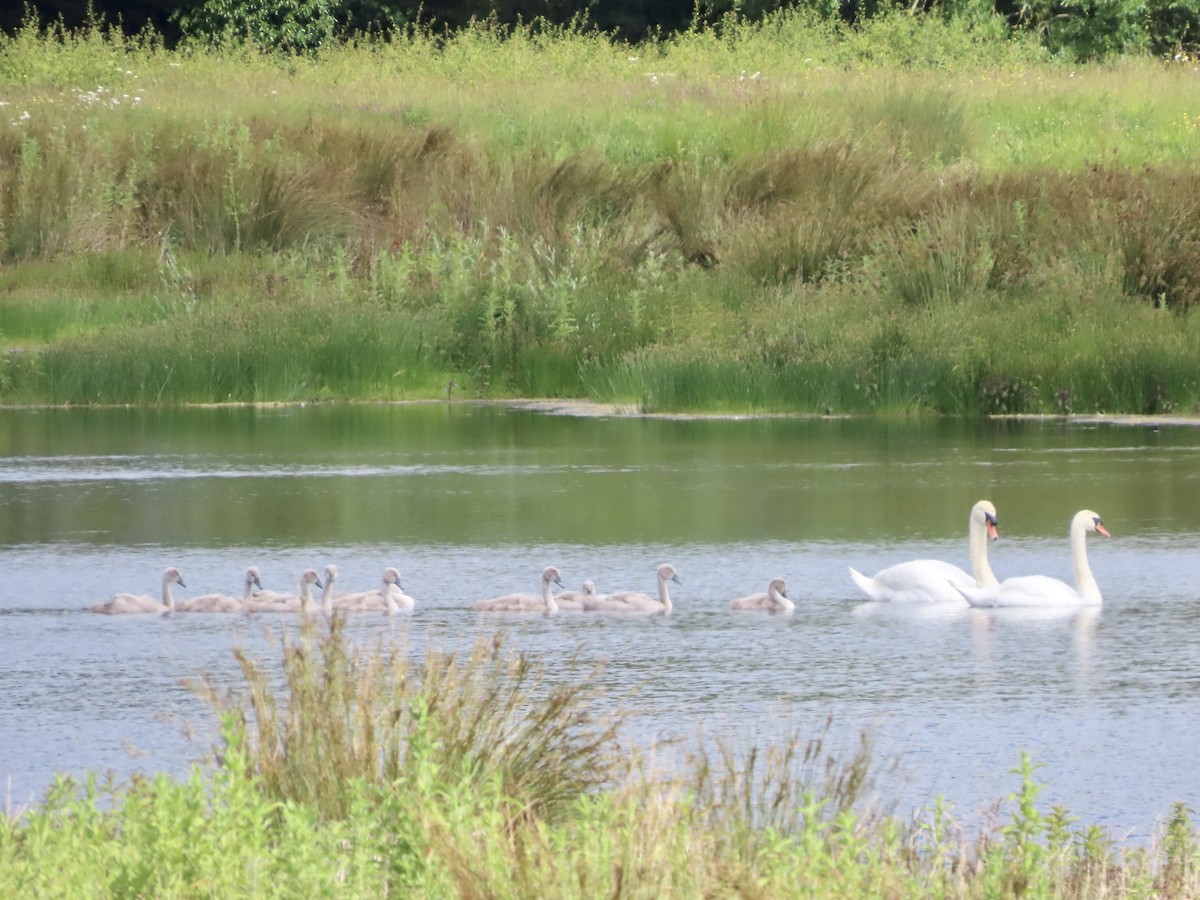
point(385, 591)
point(248, 592)
point(168, 600)
point(548, 596)
point(327, 597)
point(1085, 582)
point(981, 570)
point(305, 596)
point(664, 595)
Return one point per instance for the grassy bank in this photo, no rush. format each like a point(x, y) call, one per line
point(475, 775)
point(913, 216)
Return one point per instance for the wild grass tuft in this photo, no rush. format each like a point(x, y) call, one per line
point(488, 716)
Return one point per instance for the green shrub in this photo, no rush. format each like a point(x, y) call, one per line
point(1088, 29)
point(284, 25)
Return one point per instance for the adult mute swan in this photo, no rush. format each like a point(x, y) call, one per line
point(633, 601)
point(223, 603)
point(934, 581)
point(299, 602)
point(122, 604)
point(573, 600)
point(389, 597)
point(543, 602)
point(1041, 590)
point(774, 600)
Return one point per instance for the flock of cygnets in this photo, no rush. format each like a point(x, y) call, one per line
point(917, 581)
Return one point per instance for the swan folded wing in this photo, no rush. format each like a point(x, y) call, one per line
point(1029, 590)
point(571, 600)
point(209, 603)
point(374, 601)
point(388, 597)
point(511, 603)
point(917, 581)
point(273, 601)
point(753, 601)
point(623, 601)
point(128, 603)
point(980, 598)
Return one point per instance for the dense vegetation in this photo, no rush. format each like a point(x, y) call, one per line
point(476, 775)
point(916, 214)
point(1077, 29)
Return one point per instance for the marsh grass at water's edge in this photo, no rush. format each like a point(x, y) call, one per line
point(964, 229)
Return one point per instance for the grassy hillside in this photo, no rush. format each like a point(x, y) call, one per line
point(914, 216)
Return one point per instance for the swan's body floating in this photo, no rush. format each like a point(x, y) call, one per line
point(573, 600)
point(774, 600)
point(269, 601)
point(223, 603)
point(543, 602)
point(934, 581)
point(389, 597)
point(127, 604)
point(1043, 591)
point(635, 602)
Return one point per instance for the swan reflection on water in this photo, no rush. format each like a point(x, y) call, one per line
point(912, 612)
point(1083, 622)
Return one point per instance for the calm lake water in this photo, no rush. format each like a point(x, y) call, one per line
point(473, 501)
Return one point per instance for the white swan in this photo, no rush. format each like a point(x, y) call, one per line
point(223, 603)
point(573, 600)
point(774, 600)
point(270, 601)
point(389, 597)
point(633, 601)
point(543, 602)
point(934, 581)
point(122, 604)
point(1043, 591)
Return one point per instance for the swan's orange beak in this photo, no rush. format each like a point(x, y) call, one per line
point(991, 530)
point(1100, 529)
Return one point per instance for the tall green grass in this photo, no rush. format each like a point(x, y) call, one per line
point(917, 215)
point(367, 773)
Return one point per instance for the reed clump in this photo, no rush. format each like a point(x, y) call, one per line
point(912, 216)
point(361, 772)
point(490, 715)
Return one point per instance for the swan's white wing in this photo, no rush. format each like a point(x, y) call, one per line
point(1036, 590)
point(918, 581)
